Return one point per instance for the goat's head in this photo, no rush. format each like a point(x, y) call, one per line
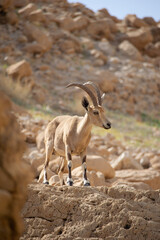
point(96, 111)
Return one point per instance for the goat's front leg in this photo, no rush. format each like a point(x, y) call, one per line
point(83, 158)
point(69, 160)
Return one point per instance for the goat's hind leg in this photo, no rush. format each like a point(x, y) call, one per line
point(69, 160)
point(49, 150)
point(61, 170)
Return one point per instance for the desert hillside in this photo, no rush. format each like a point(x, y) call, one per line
point(44, 46)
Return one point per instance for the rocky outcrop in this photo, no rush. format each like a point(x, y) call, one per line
point(14, 173)
point(118, 212)
point(19, 70)
point(140, 38)
point(130, 51)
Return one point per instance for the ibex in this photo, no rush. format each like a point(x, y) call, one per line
point(70, 135)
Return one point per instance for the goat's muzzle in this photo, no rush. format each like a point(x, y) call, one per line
point(107, 126)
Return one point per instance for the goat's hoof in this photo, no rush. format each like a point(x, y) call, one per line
point(87, 183)
point(45, 182)
point(70, 182)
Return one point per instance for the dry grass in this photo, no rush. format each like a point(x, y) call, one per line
point(18, 93)
point(138, 133)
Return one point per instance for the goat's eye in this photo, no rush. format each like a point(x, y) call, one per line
point(95, 112)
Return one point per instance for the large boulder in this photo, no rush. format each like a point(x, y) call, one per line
point(140, 38)
point(69, 44)
point(66, 22)
point(19, 70)
point(37, 16)
point(125, 161)
point(95, 178)
point(80, 22)
point(98, 55)
point(155, 162)
point(150, 21)
point(131, 20)
point(155, 31)
point(106, 48)
point(153, 50)
point(148, 176)
point(99, 29)
point(112, 26)
point(34, 33)
point(25, 11)
point(129, 50)
point(97, 164)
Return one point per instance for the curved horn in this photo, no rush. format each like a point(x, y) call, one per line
point(97, 91)
point(87, 90)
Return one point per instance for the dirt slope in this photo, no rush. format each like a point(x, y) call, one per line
point(91, 213)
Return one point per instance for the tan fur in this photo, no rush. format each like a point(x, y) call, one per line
point(70, 135)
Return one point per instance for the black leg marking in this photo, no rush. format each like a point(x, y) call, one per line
point(85, 180)
point(45, 181)
point(69, 179)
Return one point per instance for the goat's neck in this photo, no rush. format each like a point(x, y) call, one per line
point(85, 125)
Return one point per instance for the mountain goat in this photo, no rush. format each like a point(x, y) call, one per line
point(70, 135)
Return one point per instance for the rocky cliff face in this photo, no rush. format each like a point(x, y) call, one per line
point(91, 213)
point(14, 173)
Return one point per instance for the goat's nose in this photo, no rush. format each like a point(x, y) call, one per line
point(109, 125)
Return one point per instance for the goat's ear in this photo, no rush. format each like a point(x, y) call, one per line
point(85, 103)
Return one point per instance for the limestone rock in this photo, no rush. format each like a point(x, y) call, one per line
point(155, 163)
point(130, 51)
point(155, 31)
point(131, 20)
point(12, 17)
point(80, 23)
point(120, 212)
point(125, 161)
point(87, 43)
point(95, 178)
point(6, 4)
point(136, 185)
point(19, 3)
point(54, 180)
point(106, 48)
point(99, 29)
point(34, 48)
point(99, 55)
point(112, 26)
point(40, 140)
point(19, 70)
point(103, 13)
point(66, 22)
point(69, 44)
point(97, 164)
point(49, 175)
point(36, 159)
point(37, 16)
point(33, 33)
point(153, 50)
point(140, 38)
point(148, 176)
point(150, 21)
point(25, 11)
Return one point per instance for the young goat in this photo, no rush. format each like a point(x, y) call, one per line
point(69, 135)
